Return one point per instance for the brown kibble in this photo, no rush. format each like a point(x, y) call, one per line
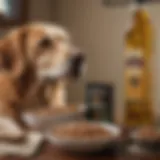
point(81, 130)
point(148, 133)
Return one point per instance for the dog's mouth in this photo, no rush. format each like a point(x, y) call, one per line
point(53, 73)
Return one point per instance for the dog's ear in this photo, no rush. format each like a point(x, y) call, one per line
point(6, 57)
point(12, 53)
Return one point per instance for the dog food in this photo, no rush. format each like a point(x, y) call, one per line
point(84, 130)
point(148, 133)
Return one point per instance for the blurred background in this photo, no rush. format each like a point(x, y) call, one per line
point(99, 30)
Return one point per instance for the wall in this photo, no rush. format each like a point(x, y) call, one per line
point(100, 32)
point(39, 10)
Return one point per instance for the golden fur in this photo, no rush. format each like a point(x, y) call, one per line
point(31, 56)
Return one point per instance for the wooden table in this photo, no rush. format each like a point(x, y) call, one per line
point(48, 152)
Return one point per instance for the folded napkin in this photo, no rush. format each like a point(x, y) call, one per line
point(14, 141)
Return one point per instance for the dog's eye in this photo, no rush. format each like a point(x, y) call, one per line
point(45, 43)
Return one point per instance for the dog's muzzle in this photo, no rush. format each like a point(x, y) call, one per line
point(77, 63)
point(74, 68)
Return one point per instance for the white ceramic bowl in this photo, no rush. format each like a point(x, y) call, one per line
point(83, 145)
point(36, 121)
point(152, 143)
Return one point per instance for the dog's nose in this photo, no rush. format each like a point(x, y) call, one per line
point(76, 64)
point(78, 59)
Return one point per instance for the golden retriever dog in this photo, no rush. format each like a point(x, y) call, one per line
point(31, 56)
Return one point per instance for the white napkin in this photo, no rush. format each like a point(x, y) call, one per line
point(9, 129)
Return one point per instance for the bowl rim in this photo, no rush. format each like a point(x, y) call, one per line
point(116, 131)
point(134, 136)
point(81, 109)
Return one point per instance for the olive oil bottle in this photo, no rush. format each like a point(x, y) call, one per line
point(138, 101)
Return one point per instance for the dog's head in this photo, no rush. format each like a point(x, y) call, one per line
point(46, 48)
